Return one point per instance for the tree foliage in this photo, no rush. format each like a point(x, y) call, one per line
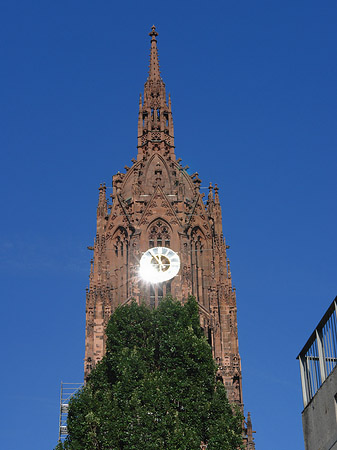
point(155, 388)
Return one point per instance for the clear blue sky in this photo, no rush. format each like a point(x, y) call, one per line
point(253, 87)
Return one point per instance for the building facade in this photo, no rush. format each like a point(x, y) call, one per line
point(318, 367)
point(156, 204)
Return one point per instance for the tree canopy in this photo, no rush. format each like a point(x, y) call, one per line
point(155, 388)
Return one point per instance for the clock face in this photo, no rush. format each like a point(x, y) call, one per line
point(159, 264)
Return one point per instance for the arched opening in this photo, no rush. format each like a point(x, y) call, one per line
point(159, 235)
point(197, 264)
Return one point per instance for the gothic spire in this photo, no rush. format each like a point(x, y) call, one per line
point(154, 71)
point(154, 88)
point(155, 123)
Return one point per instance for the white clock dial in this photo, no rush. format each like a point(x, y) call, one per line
point(159, 264)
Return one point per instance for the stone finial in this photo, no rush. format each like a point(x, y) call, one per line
point(153, 33)
point(210, 193)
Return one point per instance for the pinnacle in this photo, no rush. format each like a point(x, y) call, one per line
point(154, 72)
point(153, 33)
point(155, 123)
point(216, 194)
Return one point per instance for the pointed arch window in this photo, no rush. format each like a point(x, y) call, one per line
point(159, 234)
point(121, 249)
point(120, 241)
point(198, 263)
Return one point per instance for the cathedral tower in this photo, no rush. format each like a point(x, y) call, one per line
point(158, 217)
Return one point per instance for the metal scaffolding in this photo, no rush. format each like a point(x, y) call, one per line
point(68, 390)
point(318, 357)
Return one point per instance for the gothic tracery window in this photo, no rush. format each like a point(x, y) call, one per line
point(159, 235)
point(121, 250)
point(120, 241)
point(197, 262)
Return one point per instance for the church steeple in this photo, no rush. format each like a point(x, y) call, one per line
point(155, 123)
point(156, 203)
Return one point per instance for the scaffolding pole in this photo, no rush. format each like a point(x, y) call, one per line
point(68, 390)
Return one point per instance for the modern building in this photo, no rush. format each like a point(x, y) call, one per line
point(318, 360)
point(158, 235)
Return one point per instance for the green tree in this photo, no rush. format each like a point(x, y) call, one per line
point(155, 388)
